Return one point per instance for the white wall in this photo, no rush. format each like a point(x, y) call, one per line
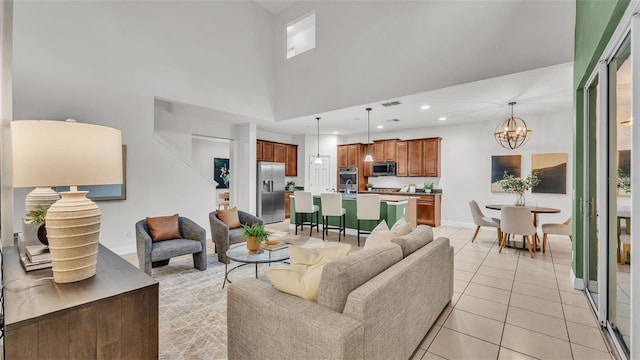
point(374, 50)
point(104, 62)
point(466, 152)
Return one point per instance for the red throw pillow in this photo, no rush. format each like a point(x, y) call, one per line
point(164, 228)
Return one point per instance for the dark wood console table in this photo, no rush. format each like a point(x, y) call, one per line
point(113, 315)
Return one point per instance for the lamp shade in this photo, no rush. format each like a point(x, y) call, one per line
point(65, 153)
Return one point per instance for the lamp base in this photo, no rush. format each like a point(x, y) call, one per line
point(73, 229)
point(40, 196)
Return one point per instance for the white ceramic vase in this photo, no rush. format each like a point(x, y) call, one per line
point(73, 229)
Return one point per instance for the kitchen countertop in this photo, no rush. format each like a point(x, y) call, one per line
point(400, 193)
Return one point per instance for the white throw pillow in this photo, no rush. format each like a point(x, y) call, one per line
point(302, 277)
point(379, 235)
point(401, 227)
point(378, 238)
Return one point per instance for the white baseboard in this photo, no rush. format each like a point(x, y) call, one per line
point(458, 224)
point(577, 283)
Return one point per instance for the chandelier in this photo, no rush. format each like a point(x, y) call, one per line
point(512, 132)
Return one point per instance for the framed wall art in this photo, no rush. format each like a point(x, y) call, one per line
point(501, 163)
point(552, 172)
point(221, 172)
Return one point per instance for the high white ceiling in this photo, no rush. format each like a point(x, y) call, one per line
point(537, 92)
point(275, 6)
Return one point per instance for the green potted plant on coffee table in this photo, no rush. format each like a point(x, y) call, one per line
point(255, 235)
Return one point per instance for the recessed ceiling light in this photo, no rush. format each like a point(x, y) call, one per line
point(335, 133)
point(379, 126)
point(442, 118)
point(424, 107)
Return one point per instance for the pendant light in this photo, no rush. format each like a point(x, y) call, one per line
point(318, 160)
point(512, 132)
point(368, 158)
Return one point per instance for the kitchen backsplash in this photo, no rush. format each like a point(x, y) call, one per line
point(397, 182)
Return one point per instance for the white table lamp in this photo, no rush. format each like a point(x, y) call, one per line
point(67, 153)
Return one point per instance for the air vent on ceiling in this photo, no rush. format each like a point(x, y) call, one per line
point(393, 120)
point(391, 103)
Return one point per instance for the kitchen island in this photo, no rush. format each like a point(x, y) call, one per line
point(392, 209)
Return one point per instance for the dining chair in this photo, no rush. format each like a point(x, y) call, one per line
point(480, 220)
point(517, 220)
point(367, 208)
point(331, 204)
point(304, 205)
point(555, 229)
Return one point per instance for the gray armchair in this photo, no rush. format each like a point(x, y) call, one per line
point(154, 254)
point(223, 236)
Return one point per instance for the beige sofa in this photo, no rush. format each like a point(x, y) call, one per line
point(376, 303)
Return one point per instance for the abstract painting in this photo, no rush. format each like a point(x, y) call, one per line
point(221, 172)
point(552, 172)
point(500, 164)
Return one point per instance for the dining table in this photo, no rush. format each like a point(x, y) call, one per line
point(535, 210)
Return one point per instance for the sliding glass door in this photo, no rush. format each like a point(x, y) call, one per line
point(609, 173)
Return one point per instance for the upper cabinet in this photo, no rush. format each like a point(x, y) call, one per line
point(401, 158)
point(414, 157)
point(352, 155)
point(280, 153)
point(431, 157)
point(291, 161)
point(342, 156)
point(384, 150)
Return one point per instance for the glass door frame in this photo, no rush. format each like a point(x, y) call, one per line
point(628, 26)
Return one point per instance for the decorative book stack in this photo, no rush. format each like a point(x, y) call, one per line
point(36, 257)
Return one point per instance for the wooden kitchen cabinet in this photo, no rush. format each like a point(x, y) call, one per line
point(267, 151)
point(401, 158)
point(259, 150)
point(279, 153)
point(342, 156)
point(352, 155)
point(389, 150)
point(428, 210)
point(291, 161)
point(431, 157)
point(414, 157)
point(378, 151)
point(287, 204)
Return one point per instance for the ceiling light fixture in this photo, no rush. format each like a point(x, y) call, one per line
point(425, 107)
point(318, 160)
point(368, 158)
point(442, 118)
point(512, 132)
point(379, 127)
point(335, 133)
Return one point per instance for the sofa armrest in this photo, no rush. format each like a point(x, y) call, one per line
point(264, 323)
point(219, 236)
point(248, 219)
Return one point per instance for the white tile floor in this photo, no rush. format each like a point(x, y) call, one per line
point(509, 306)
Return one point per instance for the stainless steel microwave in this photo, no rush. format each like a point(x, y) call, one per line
point(387, 168)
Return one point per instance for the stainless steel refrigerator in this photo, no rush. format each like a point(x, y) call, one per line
point(270, 192)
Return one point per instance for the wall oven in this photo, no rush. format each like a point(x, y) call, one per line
point(348, 179)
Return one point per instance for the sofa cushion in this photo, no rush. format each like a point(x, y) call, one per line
point(235, 236)
point(167, 249)
point(341, 276)
point(302, 277)
point(413, 241)
point(164, 228)
point(229, 217)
